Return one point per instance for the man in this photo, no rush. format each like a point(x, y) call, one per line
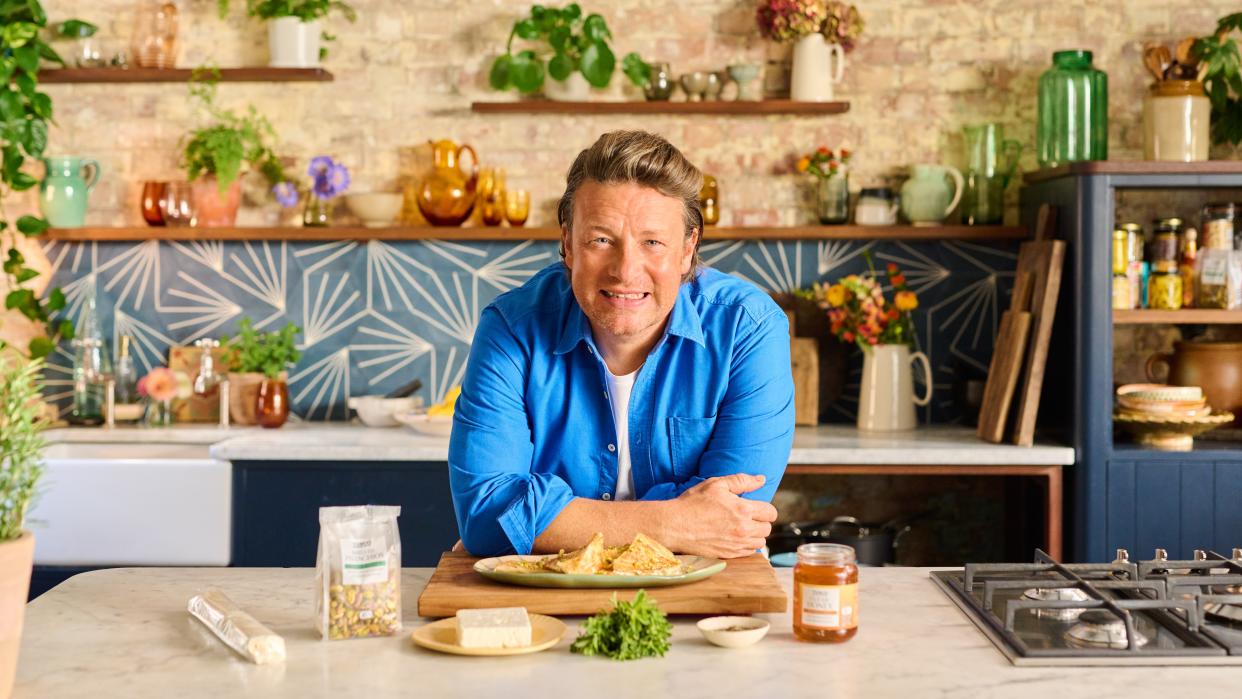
point(624, 389)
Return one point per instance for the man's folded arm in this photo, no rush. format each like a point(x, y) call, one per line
point(501, 506)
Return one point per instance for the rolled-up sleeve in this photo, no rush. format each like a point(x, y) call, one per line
point(501, 505)
point(754, 427)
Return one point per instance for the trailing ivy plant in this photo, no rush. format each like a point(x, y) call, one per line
point(21, 439)
point(229, 141)
point(577, 44)
point(305, 10)
point(24, 116)
point(1223, 78)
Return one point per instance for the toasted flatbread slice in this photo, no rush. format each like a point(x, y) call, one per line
point(520, 566)
point(646, 556)
point(588, 560)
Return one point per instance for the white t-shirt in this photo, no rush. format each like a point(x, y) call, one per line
point(619, 388)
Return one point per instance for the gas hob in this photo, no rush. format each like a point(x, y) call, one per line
point(1156, 612)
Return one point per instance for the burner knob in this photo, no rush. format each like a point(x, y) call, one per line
point(1123, 556)
point(1161, 555)
point(1200, 555)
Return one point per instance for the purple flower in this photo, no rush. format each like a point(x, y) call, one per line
point(332, 182)
point(286, 193)
point(319, 165)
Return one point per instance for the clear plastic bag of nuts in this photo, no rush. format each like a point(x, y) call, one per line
point(358, 572)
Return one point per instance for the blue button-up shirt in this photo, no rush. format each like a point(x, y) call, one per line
point(533, 428)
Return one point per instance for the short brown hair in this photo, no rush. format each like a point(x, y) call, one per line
point(641, 158)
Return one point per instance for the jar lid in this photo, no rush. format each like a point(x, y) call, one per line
point(1219, 207)
point(1074, 56)
point(1164, 266)
point(878, 192)
point(1132, 227)
point(825, 554)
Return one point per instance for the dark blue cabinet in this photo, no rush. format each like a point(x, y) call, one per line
point(1122, 495)
point(276, 507)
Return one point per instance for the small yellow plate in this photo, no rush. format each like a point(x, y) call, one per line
point(545, 632)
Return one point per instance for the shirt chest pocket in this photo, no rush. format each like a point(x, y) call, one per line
point(688, 438)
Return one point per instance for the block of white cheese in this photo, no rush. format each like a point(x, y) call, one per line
point(504, 627)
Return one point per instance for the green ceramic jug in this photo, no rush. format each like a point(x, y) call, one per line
point(926, 198)
point(64, 191)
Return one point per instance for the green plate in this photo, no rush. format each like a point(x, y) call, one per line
point(696, 567)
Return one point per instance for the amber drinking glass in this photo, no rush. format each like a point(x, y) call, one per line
point(153, 202)
point(271, 407)
point(492, 202)
point(517, 206)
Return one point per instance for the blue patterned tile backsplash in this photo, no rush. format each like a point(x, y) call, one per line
point(377, 314)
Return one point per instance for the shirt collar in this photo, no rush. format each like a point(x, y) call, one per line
point(683, 322)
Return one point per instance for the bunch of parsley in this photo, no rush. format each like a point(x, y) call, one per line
point(631, 630)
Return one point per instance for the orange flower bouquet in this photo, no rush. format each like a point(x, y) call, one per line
point(859, 314)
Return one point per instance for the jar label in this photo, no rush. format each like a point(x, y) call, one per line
point(1218, 234)
point(830, 606)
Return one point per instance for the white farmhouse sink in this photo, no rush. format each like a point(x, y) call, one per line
point(132, 504)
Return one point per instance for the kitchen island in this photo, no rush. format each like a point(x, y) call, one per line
point(125, 633)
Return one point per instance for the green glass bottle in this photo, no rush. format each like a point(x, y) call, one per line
point(1073, 111)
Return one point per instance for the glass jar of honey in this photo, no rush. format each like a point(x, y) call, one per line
point(825, 607)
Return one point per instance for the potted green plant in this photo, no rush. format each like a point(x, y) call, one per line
point(1221, 73)
point(213, 155)
point(258, 380)
point(21, 450)
point(576, 52)
point(294, 34)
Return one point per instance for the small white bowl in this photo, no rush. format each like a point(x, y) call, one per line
point(377, 411)
point(430, 425)
point(733, 631)
point(376, 209)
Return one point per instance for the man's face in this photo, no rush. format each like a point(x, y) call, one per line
point(627, 254)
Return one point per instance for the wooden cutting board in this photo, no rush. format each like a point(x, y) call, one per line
point(1042, 259)
point(1007, 354)
point(746, 586)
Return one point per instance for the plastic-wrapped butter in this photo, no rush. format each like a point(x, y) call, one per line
point(239, 631)
point(504, 627)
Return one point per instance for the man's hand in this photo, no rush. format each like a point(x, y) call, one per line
point(713, 520)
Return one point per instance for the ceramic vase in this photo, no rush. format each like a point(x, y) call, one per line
point(886, 399)
point(293, 43)
point(212, 208)
point(817, 67)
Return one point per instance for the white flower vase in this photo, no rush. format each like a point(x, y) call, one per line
point(886, 399)
point(817, 67)
point(575, 88)
point(293, 43)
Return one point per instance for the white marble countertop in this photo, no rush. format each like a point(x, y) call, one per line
point(339, 441)
point(125, 633)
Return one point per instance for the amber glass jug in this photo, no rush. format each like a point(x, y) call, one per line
point(446, 197)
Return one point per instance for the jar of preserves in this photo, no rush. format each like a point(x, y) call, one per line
point(1190, 253)
point(825, 607)
point(1165, 288)
point(1218, 226)
point(1122, 295)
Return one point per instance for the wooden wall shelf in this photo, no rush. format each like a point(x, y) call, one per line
point(733, 107)
point(1185, 316)
point(181, 75)
point(1138, 167)
point(519, 234)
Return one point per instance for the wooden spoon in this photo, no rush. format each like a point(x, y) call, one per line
point(1165, 56)
point(1152, 61)
point(1185, 52)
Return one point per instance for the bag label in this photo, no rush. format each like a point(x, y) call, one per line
point(364, 561)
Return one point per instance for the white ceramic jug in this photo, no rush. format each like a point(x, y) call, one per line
point(815, 72)
point(886, 399)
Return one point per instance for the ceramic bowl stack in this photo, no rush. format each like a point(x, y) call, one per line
point(1166, 417)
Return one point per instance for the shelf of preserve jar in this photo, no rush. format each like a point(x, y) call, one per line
point(1184, 316)
point(506, 233)
point(182, 75)
point(736, 107)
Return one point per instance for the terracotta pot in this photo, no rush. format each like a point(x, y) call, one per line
point(243, 394)
point(1216, 367)
point(16, 563)
point(213, 209)
point(271, 406)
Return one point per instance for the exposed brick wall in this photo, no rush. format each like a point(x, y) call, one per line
point(407, 71)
